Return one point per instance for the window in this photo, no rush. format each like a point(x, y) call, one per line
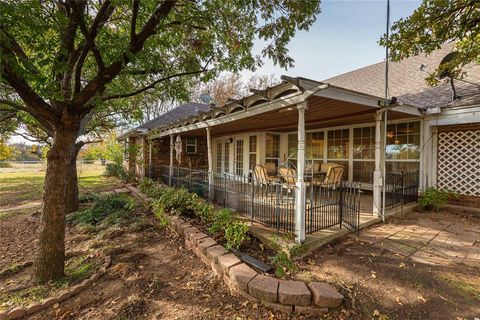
point(337, 144)
point(314, 145)
point(191, 145)
point(252, 151)
point(272, 148)
point(239, 158)
point(363, 154)
point(403, 141)
point(219, 157)
point(226, 157)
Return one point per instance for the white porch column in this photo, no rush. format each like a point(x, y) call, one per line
point(300, 186)
point(172, 148)
point(377, 174)
point(210, 163)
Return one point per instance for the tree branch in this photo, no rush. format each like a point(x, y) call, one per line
point(98, 83)
point(133, 24)
point(152, 85)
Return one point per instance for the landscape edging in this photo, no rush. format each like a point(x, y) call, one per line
point(21, 311)
point(263, 293)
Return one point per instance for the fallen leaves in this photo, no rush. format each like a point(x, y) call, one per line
point(373, 274)
point(421, 298)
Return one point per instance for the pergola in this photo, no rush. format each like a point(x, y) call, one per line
point(302, 104)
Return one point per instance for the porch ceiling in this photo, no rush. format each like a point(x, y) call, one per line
point(321, 113)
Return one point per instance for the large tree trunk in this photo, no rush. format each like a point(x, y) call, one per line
point(49, 263)
point(72, 181)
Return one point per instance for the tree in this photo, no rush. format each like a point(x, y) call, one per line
point(6, 151)
point(434, 23)
point(65, 60)
point(230, 85)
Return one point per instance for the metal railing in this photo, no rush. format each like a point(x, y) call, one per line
point(331, 205)
point(401, 188)
point(272, 203)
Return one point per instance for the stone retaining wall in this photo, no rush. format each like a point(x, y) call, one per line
point(21, 311)
point(281, 295)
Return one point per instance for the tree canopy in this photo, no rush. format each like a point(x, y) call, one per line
point(434, 23)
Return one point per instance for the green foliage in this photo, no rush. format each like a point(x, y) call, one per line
point(176, 202)
point(433, 198)
point(433, 24)
point(151, 188)
point(283, 265)
point(6, 151)
point(116, 170)
point(109, 149)
point(220, 220)
point(107, 210)
point(236, 234)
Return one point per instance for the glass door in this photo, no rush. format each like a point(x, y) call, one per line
point(239, 157)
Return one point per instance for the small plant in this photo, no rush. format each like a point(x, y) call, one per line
point(220, 221)
point(111, 209)
point(283, 265)
point(433, 198)
point(236, 234)
point(176, 202)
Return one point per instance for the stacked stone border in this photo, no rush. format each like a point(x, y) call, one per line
point(21, 311)
point(281, 295)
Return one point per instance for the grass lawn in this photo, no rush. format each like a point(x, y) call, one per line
point(24, 187)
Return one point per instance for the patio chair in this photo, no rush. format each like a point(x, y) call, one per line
point(325, 166)
point(289, 177)
point(333, 177)
point(271, 168)
point(262, 177)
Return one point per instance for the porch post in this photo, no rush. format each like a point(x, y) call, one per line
point(150, 158)
point(210, 164)
point(377, 174)
point(300, 185)
point(172, 148)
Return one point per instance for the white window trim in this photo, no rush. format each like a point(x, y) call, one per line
point(190, 144)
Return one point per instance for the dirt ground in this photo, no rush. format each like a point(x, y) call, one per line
point(387, 279)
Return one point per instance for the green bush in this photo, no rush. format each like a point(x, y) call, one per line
point(117, 170)
point(433, 198)
point(236, 234)
point(151, 188)
point(111, 209)
point(282, 264)
point(176, 202)
point(221, 219)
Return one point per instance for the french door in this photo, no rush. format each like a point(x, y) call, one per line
point(239, 170)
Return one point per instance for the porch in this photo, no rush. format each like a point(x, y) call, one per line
point(301, 125)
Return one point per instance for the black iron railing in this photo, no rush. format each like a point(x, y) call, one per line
point(401, 188)
point(333, 204)
point(272, 203)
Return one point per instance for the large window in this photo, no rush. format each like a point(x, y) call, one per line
point(272, 148)
point(314, 142)
point(403, 147)
point(363, 154)
point(337, 144)
point(252, 152)
point(226, 157)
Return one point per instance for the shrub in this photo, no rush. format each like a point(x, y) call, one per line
point(236, 234)
point(220, 221)
point(176, 202)
point(282, 264)
point(111, 209)
point(117, 170)
point(151, 188)
point(433, 198)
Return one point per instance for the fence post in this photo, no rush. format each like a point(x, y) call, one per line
point(252, 197)
point(190, 179)
point(224, 189)
point(341, 202)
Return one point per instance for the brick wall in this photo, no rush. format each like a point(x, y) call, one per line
point(161, 155)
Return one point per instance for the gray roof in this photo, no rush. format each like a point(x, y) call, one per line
point(407, 81)
point(178, 113)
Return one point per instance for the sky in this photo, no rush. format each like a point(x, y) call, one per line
point(343, 38)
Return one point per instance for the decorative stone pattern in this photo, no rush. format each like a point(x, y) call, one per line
point(285, 296)
point(20, 311)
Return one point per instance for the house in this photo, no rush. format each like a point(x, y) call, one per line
point(391, 151)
